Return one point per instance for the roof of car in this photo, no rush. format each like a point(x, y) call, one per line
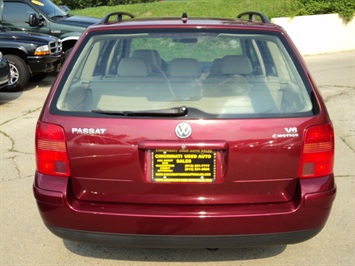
point(183, 21)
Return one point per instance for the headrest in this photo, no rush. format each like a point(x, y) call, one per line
point(184, 67)
point(216, 66)
point(150, 55)
point(132, 67)
point(236, 64)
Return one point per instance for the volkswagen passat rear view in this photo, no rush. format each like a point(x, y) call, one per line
point(184, 132)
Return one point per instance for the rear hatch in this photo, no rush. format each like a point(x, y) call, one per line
point(222, 161)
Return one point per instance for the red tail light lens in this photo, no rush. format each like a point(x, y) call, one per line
point(318, 152)
point(51, 151)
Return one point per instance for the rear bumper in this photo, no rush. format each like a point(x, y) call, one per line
point(171, 241)
point(210, 226)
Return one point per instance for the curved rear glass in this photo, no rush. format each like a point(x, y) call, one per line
point(211, 74)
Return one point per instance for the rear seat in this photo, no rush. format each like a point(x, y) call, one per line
point(215, 70)
point(134, 79)
point(184, 76)
point(234, 85)
point(133, 67)
point(236, 65)
point(232, 76)
point(127, 82)
point(228, 76)
point(152, 58)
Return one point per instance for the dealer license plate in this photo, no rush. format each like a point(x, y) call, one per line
point(183, 165)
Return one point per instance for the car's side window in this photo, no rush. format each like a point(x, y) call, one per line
point(17, 12)
point(280, 65)
point(269, 65)
point(251, 52)
point(109, 57)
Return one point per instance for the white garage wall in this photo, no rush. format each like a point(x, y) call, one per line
point(319, 33)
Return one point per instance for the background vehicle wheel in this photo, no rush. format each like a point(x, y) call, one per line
point(19, 73)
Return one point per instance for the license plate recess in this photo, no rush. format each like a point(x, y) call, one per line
point(169, 165)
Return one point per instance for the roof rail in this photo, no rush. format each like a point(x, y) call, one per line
point(252, 15)
point(119, 16)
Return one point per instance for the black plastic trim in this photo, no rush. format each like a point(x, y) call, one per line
point(252, 14)
point(119, 16)
point(174, 241)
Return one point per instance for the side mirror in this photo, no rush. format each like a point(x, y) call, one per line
point(34, 21)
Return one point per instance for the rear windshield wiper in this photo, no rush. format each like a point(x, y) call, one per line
point(171, 112)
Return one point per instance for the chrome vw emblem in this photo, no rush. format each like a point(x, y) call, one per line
point(183, 130)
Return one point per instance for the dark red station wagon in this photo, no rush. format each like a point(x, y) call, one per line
point(185, 132)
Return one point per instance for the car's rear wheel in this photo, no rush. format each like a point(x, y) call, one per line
point(19, 73)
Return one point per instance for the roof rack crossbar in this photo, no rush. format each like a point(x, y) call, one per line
point(252, 14)
point(119, 16)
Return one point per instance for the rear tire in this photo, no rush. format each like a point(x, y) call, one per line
point(19, 73)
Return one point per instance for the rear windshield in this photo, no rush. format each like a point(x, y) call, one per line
point(205, 74)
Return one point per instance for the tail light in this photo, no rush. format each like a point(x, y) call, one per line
point(318, 152)
point(51, 151)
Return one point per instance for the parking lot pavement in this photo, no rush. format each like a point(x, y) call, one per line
point(335, 76)
point(25, 240)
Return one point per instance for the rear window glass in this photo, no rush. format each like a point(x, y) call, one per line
point(212, 74)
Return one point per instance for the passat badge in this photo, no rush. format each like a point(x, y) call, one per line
point(183, 130)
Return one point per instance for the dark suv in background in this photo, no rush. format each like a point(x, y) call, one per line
point(185, 132)
point(31, 56)
point(33, 24)
point(43, 17)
